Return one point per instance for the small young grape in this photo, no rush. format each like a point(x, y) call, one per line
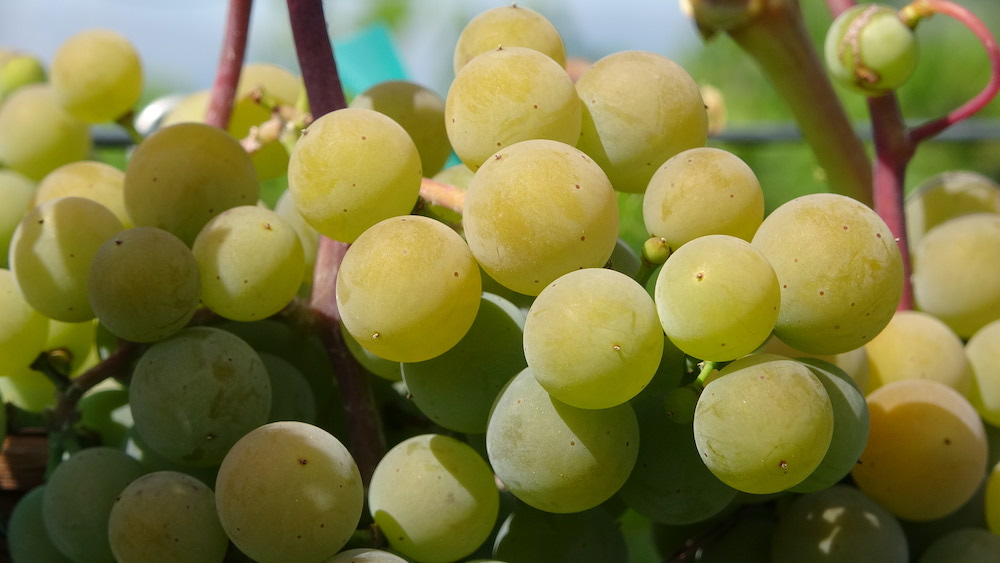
point(870, 49)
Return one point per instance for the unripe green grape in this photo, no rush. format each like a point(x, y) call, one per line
point(37, 135)
point(508, 26)
point(97, 75)
point(90, 179)
point(966, 545)
point(28, 390)
point(292, 397)
point(992, 499)
point(23, 330)
point(377, 365)
point(870, 49)
point(17, 70)
point(917, 345)
point(16, 191)
point(27, 539)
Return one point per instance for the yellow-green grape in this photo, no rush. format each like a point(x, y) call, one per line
point(439, 475)
point(956, 276)
point(839, 523)
point(556, 457)
point(983, 354)
point(992, 499)
point(592, 338)
point(144, 284)
point(419, 110)
point(251, 263)
point(717, 298)
point(23, 330)
point(917, 345)
point(90, 179)
point(275, 81)
point(16, 191)
point(763, 426)
point(289, 492)
point(508, 26)
point(539, 209)
point(840, 270)
point(640, 108)
point(97, 75)
point(926, 452)
point(19, 69)
point(366, 555)
point(351, 169)
point(193, 395)
point(181, 176)
point(945, 196)
point(166, 516)
point(78, 498)
point(51, 265)
point(506, 95)
point(37, 135)
point(28, 390)
point(27, 539)
point(74, 343)
point(408, 289)
point(702, 191)
point(870, 49)
point(853, 362)
point(529, 535)
point(308, 235)
point(292, 397)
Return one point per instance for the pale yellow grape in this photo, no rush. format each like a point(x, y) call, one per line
point(983, 353)
point(91, 179)
point(507, 95)
point(37, 135)
point(433, 474)
point(97, 75)
point(840, 270)
point(992, 499)
point(181, 176)
point(945, 196)
point(640, 108)
point(917, 345)
point(926, 453)
point(956, 276)
point(702, 191)
point(408, 289)
point(308, 235)
point(556, 457)
point(289, 492)
point(351, 169)
point(763, 426)
point(592, 338)
point(16, 191)
point(365, 555)
point(717, 298)
point(539, 209)
point(853, 362)
point(275, 81)
point(508, 26)
point(23, 330)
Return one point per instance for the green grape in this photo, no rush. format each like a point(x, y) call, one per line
point(78, 498)
point(926, 452)
point(947, 195)
point(19, 69)
point(151, 461)
point(743, 539)
point(99, 415)
point(365, 555)
point(624, 259)
point(763, 424)
point(539, 209)
point(289, 492)
point(695, 180)
point(529, 535)
point(37, 135)
point(181, 176)
point(51, 254)
point(458, 175)
point(439, 475)
point(680, 403)
point(556, 457)
point(870, 49)
point(292, 397)
point(27, 539)
point(968, 545)
point(408, 289)
point(991, 499)
point(506, 95)
point(91, 179)
point(640, 109)
point(508, 26)
point(853, 362)
point(144, 284)
point(97, 75)
point(308, 235)
point(983, 354)
point(839, 523)
point(457, 388)
point(956, 276)
point(717, 297)
point(386, 369)
point(28, 390)
point(194, 394)
point(23, 330)
point(351, 169)
point(593, 339)
point(917, 345)
point(166, 516)
point(840, 270)
point(16, 191)
point(250, 261)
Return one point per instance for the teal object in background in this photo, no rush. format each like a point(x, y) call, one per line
point(367, 58)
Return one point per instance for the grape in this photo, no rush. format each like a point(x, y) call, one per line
point(308, 236)
point(853, 362)
point(181, 176)
point(764, 424)
point(104, 412)
point(274, 80)
point(947, 195)
point(870, 49)
point(508, 26)
point(386, 369)
point(91, 179)
point(18, 69)
point(917, 345)
point(956, 276)
point(640, 108)
point(839, 523)
point(458, 175)
point(717, 298)
point(556, 457)
point(16, 191)
point(840, 270)
point(408, 289)
point(23, 330)
point(194, 394)
point(539, 209)
point(351, 169)
point(166, 516)
point(27, 539)
point(439, 475)
point(250, 261)
point(37, 135)
point(78, 498)
point(51, 266)
point(289, 492)
point(968, 545)
point(529, 535)
point(983, 353)
point(144, 284)
point(992, 499)
point(292, 397)
point(28, 390)
point(506, 95)
point(592, 338)
point(75, 343)
point(364, 555)
point(97, 75)
point(926, 451)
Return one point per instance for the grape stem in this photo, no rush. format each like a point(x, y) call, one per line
point(227, 75)
point(706, 369)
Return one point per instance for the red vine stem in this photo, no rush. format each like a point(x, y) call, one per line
point(227, 75)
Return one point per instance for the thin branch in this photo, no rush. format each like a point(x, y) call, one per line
point(315, 54)
point(227, 75)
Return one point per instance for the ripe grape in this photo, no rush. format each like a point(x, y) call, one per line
point(23, 330)
point(37, 135)
point(308, 235)
point(91, 179)
point(947, 195)
point(508, 26)
point(917, 345)
point(870, 50)
point(16, 191)
point(983, 354)
point(97, 75)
